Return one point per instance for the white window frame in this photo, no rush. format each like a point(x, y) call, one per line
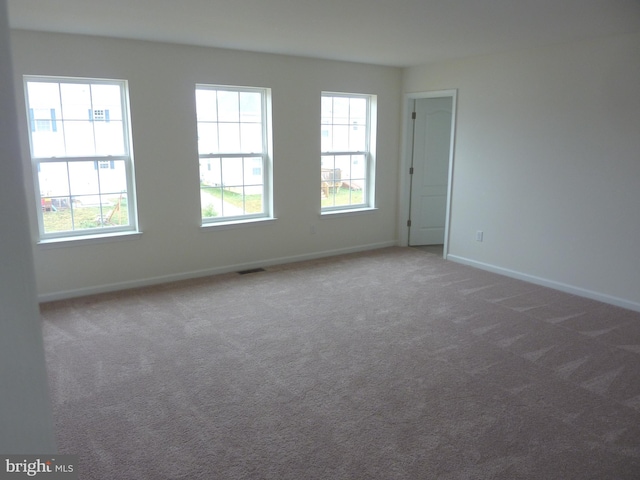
point(101, 230)
point(368, 200)
point(266, 156)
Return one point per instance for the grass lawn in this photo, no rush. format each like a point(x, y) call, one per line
point(251, 204)
point(343, 196)
point(83, 218)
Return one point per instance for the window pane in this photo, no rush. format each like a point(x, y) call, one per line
point(44, 100)
point(343, 166)
point(210, 173)
point(44, 118)
point(344, 188)
point(358, 111)
point(253, 200)
point(113, 180)
point(47, 143)
point(55, 219)
point(228, 107)
point(229, 137)
point(357, 138)
point(326, 138)
point(251, 135)
point(207, 138)
point(342, 198)
point(206, 105)
point(78, 216)
point(250, 107)
point(107, 99)
point(330, 180)
point(43, 95)
point(83, 177)
point(327, 161)
point(76, 101)
point(326, 115)
point(341, 110)
point(210, 201)
point(53, 179)
point(340, 138)
point(78, 138)
point(253, 171)
point(44, 115)
point(89, 216)
point(114, 211)
point(358, 168)
point(109, 138)
point(232, 172)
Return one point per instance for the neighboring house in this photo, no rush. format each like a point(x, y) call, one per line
point(234, 179)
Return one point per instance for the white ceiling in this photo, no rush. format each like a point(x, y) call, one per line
point(385, 32)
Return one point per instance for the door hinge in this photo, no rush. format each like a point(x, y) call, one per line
point(413, 115)
point(408, 223)
point(411, 171)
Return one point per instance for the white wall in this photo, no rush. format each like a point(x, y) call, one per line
point(547, 164)
point(26, 426)
point(162, 80)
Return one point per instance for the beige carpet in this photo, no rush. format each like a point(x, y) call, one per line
point(392, 364)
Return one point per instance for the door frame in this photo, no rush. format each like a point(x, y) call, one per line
point(405, 163)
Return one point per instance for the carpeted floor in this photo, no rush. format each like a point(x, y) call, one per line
point(391, 364)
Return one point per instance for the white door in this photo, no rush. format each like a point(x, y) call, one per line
point(430, 163)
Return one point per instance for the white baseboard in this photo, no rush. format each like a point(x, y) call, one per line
point(582, 292)
point(145, 282)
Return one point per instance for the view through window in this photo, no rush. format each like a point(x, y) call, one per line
point(233, 152)
point(346, 158)
point(80, 152)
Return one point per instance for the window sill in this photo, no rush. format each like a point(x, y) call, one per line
point(60, 242)
point(207, 227)
point(345, 212)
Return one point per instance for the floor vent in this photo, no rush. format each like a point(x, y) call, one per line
point(251, 270)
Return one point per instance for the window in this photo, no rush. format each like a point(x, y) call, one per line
point(347, 161)
point(81, 156)
point(233, 148)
